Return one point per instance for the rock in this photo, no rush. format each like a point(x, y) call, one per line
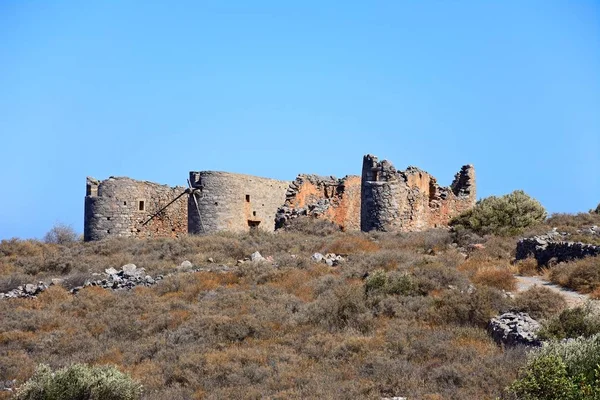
point(211, 260)
point(129, 270)
point(185, 266)
point(329, 262)
point(257, 257)
point(239, 262)
point(514, 329)
point(30, 289)
point(57, 281)
point(149, 280)
point(318, 257)
point(112, 271)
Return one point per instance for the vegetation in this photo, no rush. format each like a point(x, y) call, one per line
point(402, 315)
point(506, 215)
point(61, 234)
point(398, 317)
point(561, 370)
point(79, 382)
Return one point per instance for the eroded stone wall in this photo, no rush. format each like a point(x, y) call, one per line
point(329, 198)
point(233, 202)
point(120, 206)
point(554, 248)
point(411, 200)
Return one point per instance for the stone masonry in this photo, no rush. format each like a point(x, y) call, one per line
point(329, 198)
point(382, 199)
point(411, 200)
point(120, 206)
point(233, 202)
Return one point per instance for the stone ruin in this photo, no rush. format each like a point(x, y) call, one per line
point(411, 200)
point(382, 199)
point(329, 198)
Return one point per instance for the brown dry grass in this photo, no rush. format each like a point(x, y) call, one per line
point(299, 330)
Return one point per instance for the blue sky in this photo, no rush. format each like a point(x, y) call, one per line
point(152, 90)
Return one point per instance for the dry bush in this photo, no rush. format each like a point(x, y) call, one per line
point(581, 275)
point(298, 330)
point(499, 278)
point(527, 267)
point(351, 245)
point(539, 302)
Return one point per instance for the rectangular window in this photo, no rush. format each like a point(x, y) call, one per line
point(141, 205)
point(247, 198)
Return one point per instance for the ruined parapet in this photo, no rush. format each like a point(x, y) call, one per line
point(120, 206)
point(233, 202)
point(329, 198)
point(411, 200)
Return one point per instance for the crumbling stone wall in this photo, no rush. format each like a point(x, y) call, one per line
point(233, 202)
point(329, 198)
point(411, 200)
point(545, 248)
point(119, 207)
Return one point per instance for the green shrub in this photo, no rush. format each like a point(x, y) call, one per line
point(395, 283)
point(80, 382)
point(572, 323)
point(544, 378)
point(561, 370)
point(505, 215)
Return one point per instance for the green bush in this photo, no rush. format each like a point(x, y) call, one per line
point(505, 215)
point(395, 283)
point(572, 323)
point(80, 382)
point(561, 370)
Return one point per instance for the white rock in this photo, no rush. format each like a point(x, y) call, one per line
point(185, 266)
point(318, 257)
point(256, 256)
point(111, 271)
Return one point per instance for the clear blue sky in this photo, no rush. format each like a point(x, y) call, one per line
point(152, 90)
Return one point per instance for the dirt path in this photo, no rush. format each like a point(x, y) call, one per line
point(573, 299)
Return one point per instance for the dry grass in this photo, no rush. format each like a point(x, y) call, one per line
point(299, 330)
point(580, 275)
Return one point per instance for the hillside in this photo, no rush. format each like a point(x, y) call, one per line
point(394, 315)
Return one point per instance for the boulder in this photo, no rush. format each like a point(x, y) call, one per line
point(514, 329)
point(112, 271)
point(257, 257)
point(185, 266)
point(318, 257)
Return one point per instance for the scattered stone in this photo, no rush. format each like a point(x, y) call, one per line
point(318, 257)
point(185, 266)
point(111, 271)
point(257, 257)
point(129, 270)
point(514, 329)
point(211, 260)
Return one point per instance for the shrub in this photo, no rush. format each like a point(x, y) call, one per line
point(561, 370)
point(81, 382)
point(545, 378)
point(572, 323)
point(61, 234)
point(499, 278)
point(539, 302)
point(394, 283)
point(581, 275)
point(597, 210)
point(505, 215)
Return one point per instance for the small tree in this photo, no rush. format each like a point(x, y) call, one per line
point(61, 234)
point(505, 215)
point(81, 382)
point(597, 210)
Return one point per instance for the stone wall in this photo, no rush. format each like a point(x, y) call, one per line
point(411, 200)
point(233, 202)
point(329, 198)
point(549, 247)
point(120, 207)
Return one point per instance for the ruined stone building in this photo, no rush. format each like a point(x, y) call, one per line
point(382, 199)
point(411, 200)
point(122, 207)
point(233, 202)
